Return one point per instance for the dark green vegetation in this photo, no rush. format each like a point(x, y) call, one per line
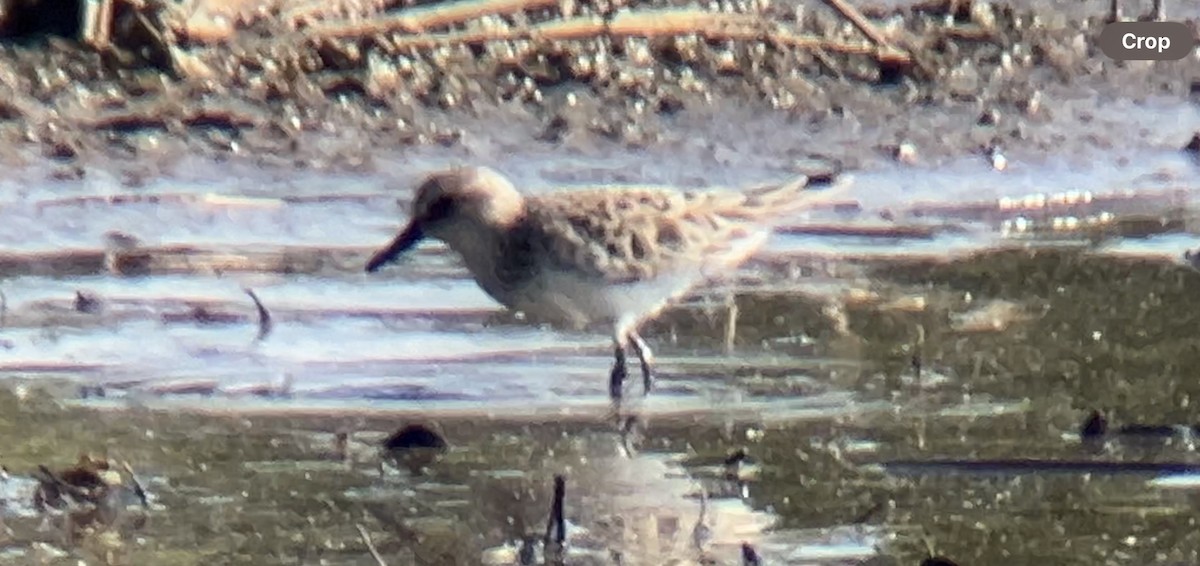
point(1085, 331)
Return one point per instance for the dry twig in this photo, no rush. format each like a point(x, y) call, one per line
point(97, 23)
point(366, 538)
point(859, 20)
point(648, 24)
point(264, 316)
point(432, 16)
point(886, 52)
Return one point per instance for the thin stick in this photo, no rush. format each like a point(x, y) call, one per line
point(264, 316)
point(885, 52)
point(648, 24)
point(366, 538)
point(557, 523)
point(97, 23)
point(859, 20)
point(435, 15)
point(138, 490)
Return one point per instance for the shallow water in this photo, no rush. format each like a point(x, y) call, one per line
point(340, 329)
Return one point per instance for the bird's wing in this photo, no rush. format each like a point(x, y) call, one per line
point(628, 234)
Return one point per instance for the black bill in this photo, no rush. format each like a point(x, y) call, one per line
point(403, 241)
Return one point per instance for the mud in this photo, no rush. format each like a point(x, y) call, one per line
point(1026, 77)
point(870, 481)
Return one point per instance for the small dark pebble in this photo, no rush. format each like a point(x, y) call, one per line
point(555, 129)
point(89, 391)
point(414, 447)
point(1193, 146)
point(1193, 258)
point(736, 457)
point(938, 561)
point(86, 303)
point(989, 117)
point(822, 178)
point(61, 151)
point(733, 463)
point(669, 104)
point(414, 436)
point(1094, 425)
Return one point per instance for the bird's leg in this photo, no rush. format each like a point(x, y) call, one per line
point(616, 380)
point(646, 357)
point(1160, 13)
point(1114, 11)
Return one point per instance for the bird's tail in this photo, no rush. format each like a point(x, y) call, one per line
point(795, 195)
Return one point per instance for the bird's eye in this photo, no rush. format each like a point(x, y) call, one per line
point(439, 209)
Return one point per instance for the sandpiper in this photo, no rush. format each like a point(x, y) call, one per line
point(611, 255)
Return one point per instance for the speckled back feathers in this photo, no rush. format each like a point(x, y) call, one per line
point(624, 235)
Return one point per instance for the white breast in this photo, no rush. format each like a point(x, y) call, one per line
point(575, 299)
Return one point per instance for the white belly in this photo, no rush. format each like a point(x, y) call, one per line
point(576, 301)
